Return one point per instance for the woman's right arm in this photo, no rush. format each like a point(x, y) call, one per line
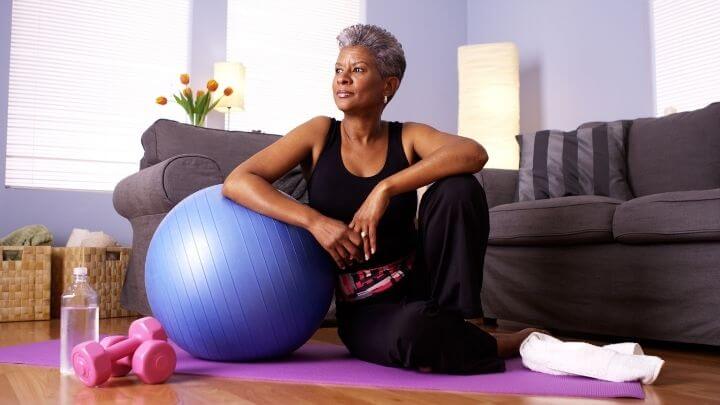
point(250, 184)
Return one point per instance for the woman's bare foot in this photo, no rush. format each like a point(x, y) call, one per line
point(509, 343)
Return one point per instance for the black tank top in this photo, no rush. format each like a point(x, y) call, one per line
point(335, 192)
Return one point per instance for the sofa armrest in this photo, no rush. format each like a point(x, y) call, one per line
point(158, 188)
point(500, 185)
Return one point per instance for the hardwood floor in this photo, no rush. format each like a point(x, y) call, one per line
point(691, 376)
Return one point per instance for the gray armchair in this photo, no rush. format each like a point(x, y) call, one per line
point(179, 160)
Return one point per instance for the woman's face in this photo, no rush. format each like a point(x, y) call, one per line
point(357, 85)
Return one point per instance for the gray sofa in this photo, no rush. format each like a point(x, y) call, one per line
point(179, 160)
point(646, 268)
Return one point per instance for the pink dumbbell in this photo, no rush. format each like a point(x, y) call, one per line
point(120, 367)
point(153, 359)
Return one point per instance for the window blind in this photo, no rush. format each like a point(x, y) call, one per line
point(289, 50)
point(687, 54)
point(83, 79)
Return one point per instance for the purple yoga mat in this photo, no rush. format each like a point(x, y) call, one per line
point(324, 363)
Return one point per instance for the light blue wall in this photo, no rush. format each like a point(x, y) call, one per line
point(208, 44)
point(580, 60)
point(430, 32)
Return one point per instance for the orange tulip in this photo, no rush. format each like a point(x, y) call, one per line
point(187, 91)
point(212, 85)
point(200, 93)
point(161, 100)
point(185, 78)
point(228, 91)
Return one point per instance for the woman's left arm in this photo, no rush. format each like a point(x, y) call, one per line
point(441, 155)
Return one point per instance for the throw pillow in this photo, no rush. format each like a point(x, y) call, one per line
point(586, 161)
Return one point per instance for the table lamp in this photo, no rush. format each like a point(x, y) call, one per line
point(230, 74)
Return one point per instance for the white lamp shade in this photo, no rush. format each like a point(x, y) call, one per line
point(489, 100)
point(230, 74)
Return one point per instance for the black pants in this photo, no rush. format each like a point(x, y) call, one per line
point(420, 322)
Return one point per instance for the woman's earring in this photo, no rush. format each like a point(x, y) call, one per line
point(386, 100)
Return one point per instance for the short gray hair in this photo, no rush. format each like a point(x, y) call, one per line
point(382, 44)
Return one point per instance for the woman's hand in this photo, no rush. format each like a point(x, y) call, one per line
point(368, 216)
point(337, 239)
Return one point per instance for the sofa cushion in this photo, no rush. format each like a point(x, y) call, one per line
point(676, 152)
point(565, 220)
point(586, 161)
point(500, 185)
point(679, 216)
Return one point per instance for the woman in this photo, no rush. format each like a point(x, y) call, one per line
point(403, 293)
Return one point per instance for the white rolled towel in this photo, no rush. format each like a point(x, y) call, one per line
point(617, 362)
point(83, 237)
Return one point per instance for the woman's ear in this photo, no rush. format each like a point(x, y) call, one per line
point(392, 84)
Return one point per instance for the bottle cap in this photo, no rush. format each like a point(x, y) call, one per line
point(80, 271)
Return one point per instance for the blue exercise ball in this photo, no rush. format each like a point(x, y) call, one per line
point(229, 284)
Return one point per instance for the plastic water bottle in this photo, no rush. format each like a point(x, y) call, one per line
point(79, 317)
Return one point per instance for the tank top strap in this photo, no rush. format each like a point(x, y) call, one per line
point(331, 141)
point(397, 152)
point(333, 133)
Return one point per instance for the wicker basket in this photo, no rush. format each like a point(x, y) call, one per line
point(106, 274)
point(25, 283)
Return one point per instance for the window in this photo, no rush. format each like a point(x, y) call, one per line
point(83, 80)
point(687, 54)
point(289, 58)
